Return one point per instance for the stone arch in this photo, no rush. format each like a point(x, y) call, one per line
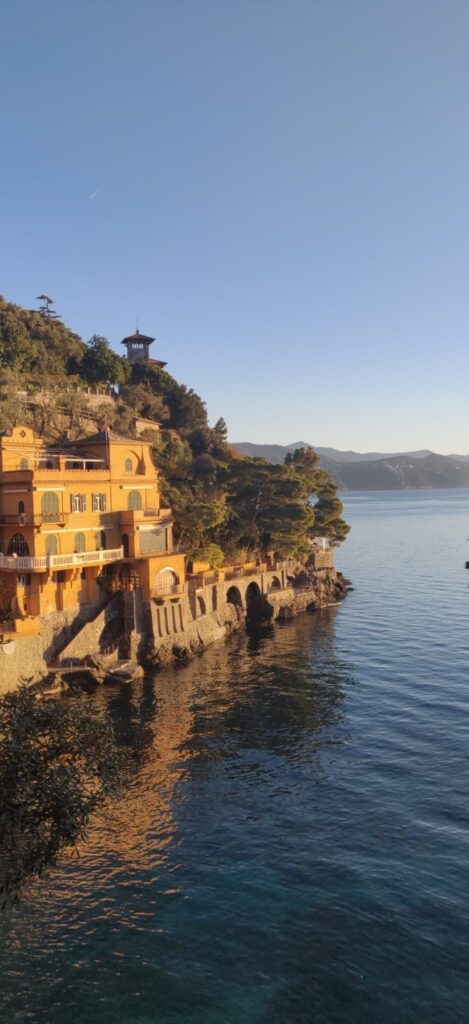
point(50, 505)
point(166, 581)
point(51, 544)
point(134, 501)
point(275, 583)
point(253, 602)
point(233, 596)
point(201, 606)
point(18, 545)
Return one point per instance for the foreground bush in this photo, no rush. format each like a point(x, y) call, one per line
point(58, 762)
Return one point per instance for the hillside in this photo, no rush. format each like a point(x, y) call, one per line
point(376, 471)
point(226, 508)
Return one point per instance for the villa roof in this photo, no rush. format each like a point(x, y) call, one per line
point(103, 436)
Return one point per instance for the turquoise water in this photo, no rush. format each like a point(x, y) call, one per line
point(295, 847)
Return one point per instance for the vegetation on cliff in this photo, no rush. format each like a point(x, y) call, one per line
point(227, 507)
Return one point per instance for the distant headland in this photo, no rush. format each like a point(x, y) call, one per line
point(375, 471)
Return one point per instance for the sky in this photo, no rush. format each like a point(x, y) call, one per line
point(277, 189)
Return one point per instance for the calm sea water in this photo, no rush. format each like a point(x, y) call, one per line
point(295, 848)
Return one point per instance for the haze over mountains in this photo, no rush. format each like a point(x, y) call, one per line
point(367, 471)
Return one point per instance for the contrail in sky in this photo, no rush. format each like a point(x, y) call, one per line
point(98, 190)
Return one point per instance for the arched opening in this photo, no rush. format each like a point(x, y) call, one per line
point(50, 506)
point(125, 544)
point(275, 583)
point(100, 541)
point(24, 463)
point(166, 582)
point(234, 597)
point(21, 508)
point(51, 544)
point(201, 607)
point(253, 602)
point(134, 500)
point(49, 464)
point(128, 465)
point(18, 546)
point(80, 542)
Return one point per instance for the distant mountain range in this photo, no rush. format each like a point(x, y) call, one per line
point(375, 471)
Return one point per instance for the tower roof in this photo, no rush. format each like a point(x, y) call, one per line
point(137, 337)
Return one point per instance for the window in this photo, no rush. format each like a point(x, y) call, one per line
point(50, 506)
point(21, 508)
point(134, 501)
point(80, 543)
point(18, 546)
point(100, 540)
point(128, 465)
point(51, 544)
point(24, 464)
point(152, 540)
point(78, 502)
point(99, 502)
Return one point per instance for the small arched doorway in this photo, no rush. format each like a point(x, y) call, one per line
point(201, 607)
point(18, 545)
point(125, 544)
point(166, 581)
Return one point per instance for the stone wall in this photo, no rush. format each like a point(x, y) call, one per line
point(168, 629)
point(21, 661)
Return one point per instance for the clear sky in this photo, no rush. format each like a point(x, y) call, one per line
point(278, 189)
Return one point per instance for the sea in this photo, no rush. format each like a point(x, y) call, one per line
point(293, 847)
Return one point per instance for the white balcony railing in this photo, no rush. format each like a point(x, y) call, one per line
point(26, 563)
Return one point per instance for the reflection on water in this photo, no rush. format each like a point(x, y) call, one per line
point(293, 845)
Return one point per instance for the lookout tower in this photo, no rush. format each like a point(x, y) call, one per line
point(138, 349)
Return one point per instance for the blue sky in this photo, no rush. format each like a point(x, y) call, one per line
point(284, 202)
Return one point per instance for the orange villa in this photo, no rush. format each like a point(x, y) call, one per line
point(74, 518)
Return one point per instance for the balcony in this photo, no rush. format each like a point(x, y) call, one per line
point(129, 517)
point(168, 590)
point(47, 563)
point(34, 518)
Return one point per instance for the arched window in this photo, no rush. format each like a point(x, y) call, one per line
point(125, 544)
point(80, 543)
point(100, 540)
point(128, 465)
point(51, 544)
point(18, 546)
point(134, 501)
point(21, 508)
point(24, 464)
point(50, 506)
